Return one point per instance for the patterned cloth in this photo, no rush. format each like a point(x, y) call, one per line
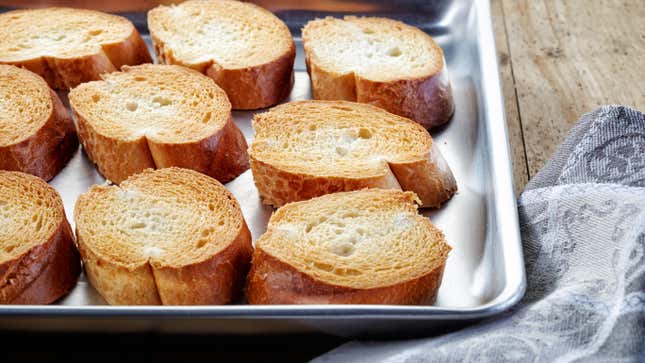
point(582, 220)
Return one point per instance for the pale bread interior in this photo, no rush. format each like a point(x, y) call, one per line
point(336, 138)
point(361, 239)
point(376, 48)
point(30, 212)
point(58, 32)
point(164, 103)
point(25, 104)
point(168, 217)
point(230, 33)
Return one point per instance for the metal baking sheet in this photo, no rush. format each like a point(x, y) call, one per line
point(484, 274)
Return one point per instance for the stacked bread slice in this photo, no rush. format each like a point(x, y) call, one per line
point(157, 116)
point(171, 236)
point(37, 135)
point(247, 50)
point(38, 260)
point(305, 149)
point(69, 46)
point(379, 61)
point(362, 247)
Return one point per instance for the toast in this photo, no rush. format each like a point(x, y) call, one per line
point(39, 262)
point(379, 61)
point(157, 116)
point(247, 50)
point(362, 247)
point(169, 236)
point(37, 135)
point(69, 46)
point(305, 149)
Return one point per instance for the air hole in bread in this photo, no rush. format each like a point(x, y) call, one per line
point(162, 101)
point(9, 249)
point(139, 78)
point(96, 32)
point(344, 249)
point(342, 108)
point(131, 106)
point(394, 52)
point(201, 243)
point(323, 266)
point(138, 225)
point(221, 222)
point(364, 133)
point(341, 151)
point(96, 98)
point(312, 127)
point(60, 37)
point(368, 31)
point(207, 117)
point(211, 206)
point(347, 272)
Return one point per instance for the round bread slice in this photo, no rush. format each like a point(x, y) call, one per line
point(362, 247)
point(37, 135)
point(39, 262)
point(171, 236)
point(247, 50)
point(69, 46)
point(305, 149)
point(157, 116)
point(379, 61)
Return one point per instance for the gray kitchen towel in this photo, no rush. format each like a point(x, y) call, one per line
point(582, 220)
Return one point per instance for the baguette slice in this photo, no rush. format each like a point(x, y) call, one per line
point(69, 46)
point(157, 116)
point(37, 135)
point(171, 236)
point(362, 247)
point(39, 262)
point(305, 149)
point(379, 61)
point(247, 50)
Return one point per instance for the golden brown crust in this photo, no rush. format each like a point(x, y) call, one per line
point(256, 87)
point(215, 281)
point(222, 155)
point(66, 73)
point(272, 281)
point(48, 150)
point(44, 273)
point(278, 187)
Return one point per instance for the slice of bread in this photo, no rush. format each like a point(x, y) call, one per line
point(362, 247)
point(379, 61)
point(169, 236)
point(39, 262)
point(69, 46)
point(37, 135)
point(305, 149)
point(247, 50)
point(157, 116)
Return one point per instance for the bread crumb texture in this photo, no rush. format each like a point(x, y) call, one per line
point(163, 103)
point(232, 34)
point(362, 239)
point(30, 213)
point(336, 139)
point(168, 217)
point(25, 104)
point(58, 32)
point(379, 49)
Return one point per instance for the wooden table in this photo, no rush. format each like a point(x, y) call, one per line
point(560, 59)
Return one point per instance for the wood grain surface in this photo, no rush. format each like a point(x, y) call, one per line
point(565, 58)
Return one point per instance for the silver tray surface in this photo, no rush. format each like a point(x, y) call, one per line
point(484, 274)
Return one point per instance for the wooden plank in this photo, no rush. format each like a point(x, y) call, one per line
point(568, 57)
point(513, 122)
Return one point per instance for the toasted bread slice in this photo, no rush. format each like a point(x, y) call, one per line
point(247, 50)
point(171, 236)
point(39, 262)
point(305, 149)
point(69, 46)
point(379, 61)
point(157, 116)
point(37, 135)
point(362, 247)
